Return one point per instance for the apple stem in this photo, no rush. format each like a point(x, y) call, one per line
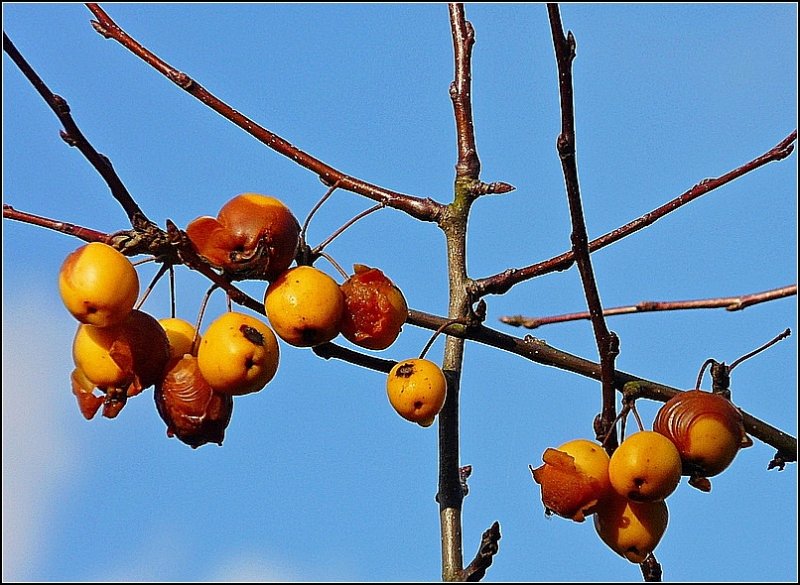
point(767, 345)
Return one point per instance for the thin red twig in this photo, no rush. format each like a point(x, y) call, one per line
point(502, 282)
point(71, 229)
point(737, 303)
point(425, 209)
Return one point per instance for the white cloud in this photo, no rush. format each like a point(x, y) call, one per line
point(37, 451)
point(249, 568)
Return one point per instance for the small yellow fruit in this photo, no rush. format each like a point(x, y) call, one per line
point(417, 389)
point(98, 285)
point(180, 334)
point(631, 529)
point(238, 355)
point(305, 306)
point(574, 478)
point(646, 467)
point(707, 429)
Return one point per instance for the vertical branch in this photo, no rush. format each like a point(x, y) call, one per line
point(468, 164)
point(607, 342)
point(453, 223)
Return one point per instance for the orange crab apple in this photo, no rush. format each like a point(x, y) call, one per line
point(238, 355)
point(120, 360)
point(631, 529)
point(305, 306)
point(253, 236)
point(374, 310)
point(193, 411)
point(98, 285)
point(646, 467)
point(417, 389)
point(573, 479)
point(708, 431)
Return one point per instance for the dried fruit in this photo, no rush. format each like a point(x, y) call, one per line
point(253, 236)
point(573, 479)
point(707, 429)
point(375, 309)
point(120, 360)
point(192, 410)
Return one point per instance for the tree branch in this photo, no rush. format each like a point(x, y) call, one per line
point(536, 350)
point(468, 165)
point(502, 282)
point(83, 233)
point(607, 342)
point(73, 136)
point(419, 208)
point(737, 303)
point(476, 570)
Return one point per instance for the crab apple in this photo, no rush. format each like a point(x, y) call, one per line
point(191, 409)
point(707, 429)
point(98, 285)
point(631, 529)
point(253, 236)
point(574, 478)
point(180, 334)
point(84, 391)
point(238, 355)
point(120, 360)
point(305, 306)
point(417, 389)
point(374, 310)
point(646, 467)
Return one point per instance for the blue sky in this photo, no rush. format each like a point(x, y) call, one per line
point(318, 478)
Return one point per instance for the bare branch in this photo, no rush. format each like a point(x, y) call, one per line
point(476, 570)
point(737, 303)
point(83, 233)
point(468, 165)
point(536, 350)
point(331, 350)
point(502, 282)
point(419, 208)
point(73, 136)
point(607, 342)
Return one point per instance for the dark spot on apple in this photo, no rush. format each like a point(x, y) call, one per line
point(252, 335)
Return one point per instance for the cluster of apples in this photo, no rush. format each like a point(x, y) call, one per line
point(119, 351)
point(695, 433)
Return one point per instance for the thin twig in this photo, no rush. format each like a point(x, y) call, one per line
point(502, 282)
point(349, 223)
point(73, 136)
point(83, 233)
point(536, 350)
point(767, 345)
point(735, 303)
point(607, 342)
point(331, 350)
point(468, 165)
point(424, 209)
point(489, 546)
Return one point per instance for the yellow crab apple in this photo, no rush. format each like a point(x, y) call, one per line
point(98, 285)
point(646, 467)
point(417, 389)
point(631, 529)
point(180, 334)
point(573, 479)
point(305, 306)
point(238, 354)
point(374, 309)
